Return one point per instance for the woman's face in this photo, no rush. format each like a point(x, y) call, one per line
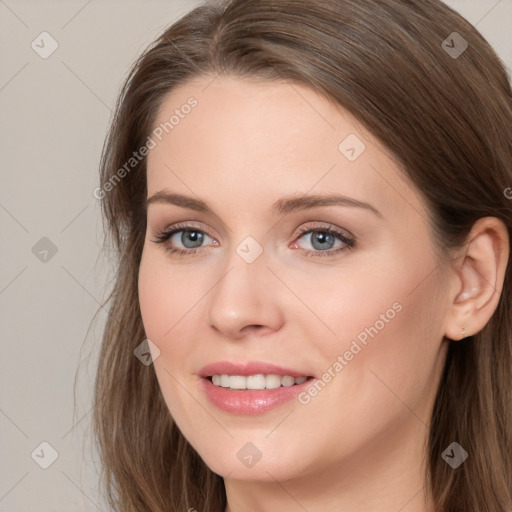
point(259, 292)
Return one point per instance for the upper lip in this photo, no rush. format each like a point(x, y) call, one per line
point(247, 368)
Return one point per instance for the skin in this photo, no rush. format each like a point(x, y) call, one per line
point(359, 444)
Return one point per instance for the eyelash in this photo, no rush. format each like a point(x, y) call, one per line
point(349, 242)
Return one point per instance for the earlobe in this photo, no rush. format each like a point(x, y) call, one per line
point(478, 278)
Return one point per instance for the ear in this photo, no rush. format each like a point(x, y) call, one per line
point(477, 278)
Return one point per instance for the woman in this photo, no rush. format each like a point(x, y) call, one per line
point(309, 203)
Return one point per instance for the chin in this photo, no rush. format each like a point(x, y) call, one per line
point(243, 461)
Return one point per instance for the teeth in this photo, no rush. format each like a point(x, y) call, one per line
point(237, 382)
point(287, 381)
point(255, 381)
point(258, 381)
point(272, 381)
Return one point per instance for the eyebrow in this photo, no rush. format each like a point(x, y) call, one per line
point(280, 207)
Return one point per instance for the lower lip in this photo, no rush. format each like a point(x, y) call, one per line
point(251, 401)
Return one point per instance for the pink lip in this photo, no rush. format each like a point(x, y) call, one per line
point(249, 401)
point(249, 368)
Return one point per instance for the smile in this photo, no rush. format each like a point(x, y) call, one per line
point(257, 381)
point(251, 387)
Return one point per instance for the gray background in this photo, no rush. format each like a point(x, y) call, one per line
point(54, 117)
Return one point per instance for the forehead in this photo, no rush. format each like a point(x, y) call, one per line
point(259, 140)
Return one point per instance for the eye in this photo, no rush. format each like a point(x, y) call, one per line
point(323, 240)
point(189, 236)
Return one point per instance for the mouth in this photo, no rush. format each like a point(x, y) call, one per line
point(258, 381)
point(251, 388)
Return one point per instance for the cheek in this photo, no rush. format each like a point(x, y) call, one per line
point(388, 337)
point(153, 302)
point(163, 299)
point(169, 304)
point(389, 300)
point(164, 304)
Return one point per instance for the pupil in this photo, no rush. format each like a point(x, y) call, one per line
point(192, 236)
point(322, 238)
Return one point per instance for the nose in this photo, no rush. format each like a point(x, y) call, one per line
point(245, 299)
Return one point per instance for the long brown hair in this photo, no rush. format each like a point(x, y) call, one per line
point(447, 119)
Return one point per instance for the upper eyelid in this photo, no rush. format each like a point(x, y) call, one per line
point(327, 226)
point(303, 230)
